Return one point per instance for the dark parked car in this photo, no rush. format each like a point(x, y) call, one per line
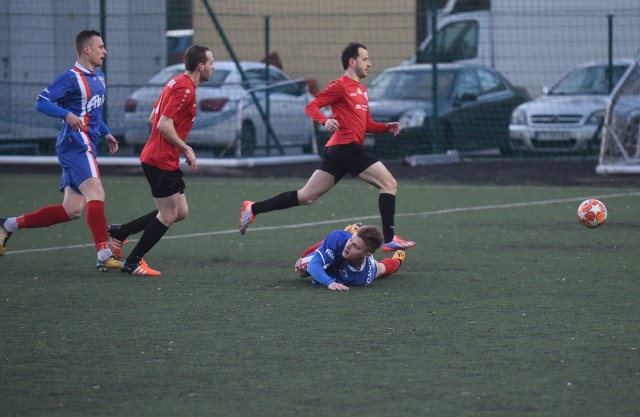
point(474, 108)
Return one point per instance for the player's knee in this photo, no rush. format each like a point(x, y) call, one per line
point(168, 218)
point(390, 186)
point(181, 216)
point(74, 213)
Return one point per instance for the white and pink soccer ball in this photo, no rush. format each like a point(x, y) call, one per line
point(592, 213)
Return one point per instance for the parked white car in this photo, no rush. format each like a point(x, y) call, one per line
point(567, 118)
point(228, 120)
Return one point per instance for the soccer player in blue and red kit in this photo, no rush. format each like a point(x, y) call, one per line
point(171, 121)
point(345, 258)
point(344, 153)
point(80, 95)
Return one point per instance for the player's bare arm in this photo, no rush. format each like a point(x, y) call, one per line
point(168, 131)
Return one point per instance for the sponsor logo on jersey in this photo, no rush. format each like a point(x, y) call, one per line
point(95, 102)
point(330, 253)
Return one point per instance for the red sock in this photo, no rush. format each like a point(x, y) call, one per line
point(44, 217)
point(311, 249)
point(391, 265)
point(97, 222)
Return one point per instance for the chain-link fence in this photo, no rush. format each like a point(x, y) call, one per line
point(492, 56)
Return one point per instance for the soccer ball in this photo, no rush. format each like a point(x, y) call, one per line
point(592, 213)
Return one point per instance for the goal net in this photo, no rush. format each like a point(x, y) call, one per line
point(620, 146)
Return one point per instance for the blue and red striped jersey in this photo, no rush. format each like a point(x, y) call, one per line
point(82, 92)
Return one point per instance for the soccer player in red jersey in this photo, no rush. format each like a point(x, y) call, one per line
point(171, 121)
point(344, 153)
point(77, 97)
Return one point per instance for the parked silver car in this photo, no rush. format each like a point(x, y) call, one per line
point(228, 120)
point(568, 116)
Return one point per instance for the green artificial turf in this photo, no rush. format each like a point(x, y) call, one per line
point(506, 307)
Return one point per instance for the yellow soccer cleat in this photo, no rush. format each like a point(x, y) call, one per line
point(109, 264)
point(399, 255)
point(4, 236)
point(353, 228)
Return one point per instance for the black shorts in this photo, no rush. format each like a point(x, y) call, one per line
point(163, 183)
point(338, 160)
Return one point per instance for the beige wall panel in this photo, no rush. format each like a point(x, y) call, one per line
point(310, 35)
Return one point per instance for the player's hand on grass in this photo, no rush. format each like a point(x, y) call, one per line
point(334, 286)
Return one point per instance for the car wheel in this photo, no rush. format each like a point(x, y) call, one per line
point(248, 139)
point(506, 150)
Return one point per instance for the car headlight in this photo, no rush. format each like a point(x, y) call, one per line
point(519, 117)
point(596, 118)
point(412, 118)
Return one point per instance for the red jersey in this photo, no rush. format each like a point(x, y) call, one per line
point(178, 102)
point(349, 103)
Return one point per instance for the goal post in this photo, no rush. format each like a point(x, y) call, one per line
point(620, 145)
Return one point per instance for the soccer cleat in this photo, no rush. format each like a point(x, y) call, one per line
point(4, 236)
point(397, 243)
point(109, 264)
point(400, 255)
point(142, 268)
point(246, 216)
point(116, 244)
point(353, 228)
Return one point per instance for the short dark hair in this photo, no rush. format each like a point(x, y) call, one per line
point(371, 236)
point(83, 37)
point(351, 51)
point(196, 54)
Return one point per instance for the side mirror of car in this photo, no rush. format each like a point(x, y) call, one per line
point(545, 90)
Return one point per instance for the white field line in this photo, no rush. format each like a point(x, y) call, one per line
point(352, 219)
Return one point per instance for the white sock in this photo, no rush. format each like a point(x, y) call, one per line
point(104, 254)
point(11, 224)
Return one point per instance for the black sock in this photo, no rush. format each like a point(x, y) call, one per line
point(152, 235)
point(279, 202)
point(387, 205)
point(134, 226)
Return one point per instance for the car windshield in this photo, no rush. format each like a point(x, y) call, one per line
point(163, 77)
point(589, 80)
point(399, 85)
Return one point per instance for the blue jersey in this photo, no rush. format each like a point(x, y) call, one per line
point(329, 256)
point(82, 92)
